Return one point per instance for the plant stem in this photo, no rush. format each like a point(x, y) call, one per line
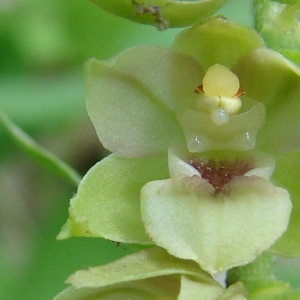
point(37, 153)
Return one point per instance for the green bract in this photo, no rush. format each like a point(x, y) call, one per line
point(162, 13)
point(149, 274)
point(160, 186)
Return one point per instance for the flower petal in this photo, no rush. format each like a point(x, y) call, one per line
point(131, 99)
point(107, 201)
point(217, 41)
point(268, 77)
point(287, 174)
point(219, 231)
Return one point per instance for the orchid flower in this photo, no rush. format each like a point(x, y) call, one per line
point(205, 146)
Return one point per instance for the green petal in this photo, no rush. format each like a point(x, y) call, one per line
point(107, 203)
point(131, 99)
point(219, 231)
point(217, 41)
point(162, 13)
point(141, 275)
point(268, 77)
point(287, 174)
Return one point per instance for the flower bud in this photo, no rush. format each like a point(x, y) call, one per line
point(162, 13)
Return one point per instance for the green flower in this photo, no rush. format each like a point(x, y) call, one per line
point(193, 157)
point(149, 274)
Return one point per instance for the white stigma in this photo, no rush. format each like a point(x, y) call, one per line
point(219, 117)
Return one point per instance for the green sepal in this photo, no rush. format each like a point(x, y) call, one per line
point(268, 77)
point(162, 13)
point(287, 174)
point(218, 40)
point(107, 203)
point(147, 274)
point(131, 98)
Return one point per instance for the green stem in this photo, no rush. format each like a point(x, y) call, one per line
point(38, 154)
point(261, 270)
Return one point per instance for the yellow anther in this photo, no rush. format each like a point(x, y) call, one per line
point(220, 81)
point(219, 94)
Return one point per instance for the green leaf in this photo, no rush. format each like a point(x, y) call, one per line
point(217, 41)
point(162, 13)
point(268, 77)
point(131, 99)
point(107, 203)
point(287, 174)
point(219, 231)
point(38, 154)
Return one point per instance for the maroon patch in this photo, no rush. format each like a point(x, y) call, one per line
point(218, 173)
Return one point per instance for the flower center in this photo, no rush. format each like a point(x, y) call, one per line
point(219, 94)
point(218, 173)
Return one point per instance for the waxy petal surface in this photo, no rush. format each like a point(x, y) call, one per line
point(107, 203)
point(131, 99)
point(219, 231)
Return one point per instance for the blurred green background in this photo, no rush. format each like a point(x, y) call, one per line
point(43, 46)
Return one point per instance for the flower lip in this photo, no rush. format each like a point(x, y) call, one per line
point(219, 167)
point(218, 173)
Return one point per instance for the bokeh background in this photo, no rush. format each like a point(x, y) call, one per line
point(43, 46)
